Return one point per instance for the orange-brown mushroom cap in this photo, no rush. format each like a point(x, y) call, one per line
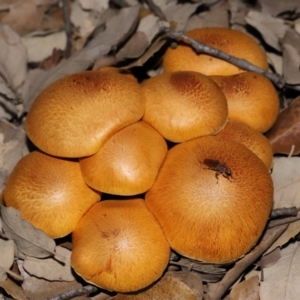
point(184, 105)
point(251, 99)
point(49, 192)
point(119, 246)
point(205, 215)
point(233, 42)
point(252, 139)
point(128, 162)
point(74, 116)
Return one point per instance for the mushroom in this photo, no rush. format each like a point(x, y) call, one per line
point(119, 246)
point(49, 192)
point(212, 197)
point(184, 105)
point(128, 162)
point(251, 99)
point(76, 115)
point(233, 42)
point(252, 139)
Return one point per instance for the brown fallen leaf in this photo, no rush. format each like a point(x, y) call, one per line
point(13, 289)
point(247, 289)
point(172, 286)
point(284, 136)
point(6, 257)
point(269, 259)
point(29, 240)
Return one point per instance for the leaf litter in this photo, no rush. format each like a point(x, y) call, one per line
point(116, 32)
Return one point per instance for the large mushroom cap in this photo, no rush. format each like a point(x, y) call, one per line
point(119, 246)
point(252, 139)
point(208, 216)
point(49, 192)
point(184, 105)
point(128, 162)
point(233, 42)
point(74, 116)
point(251, 99)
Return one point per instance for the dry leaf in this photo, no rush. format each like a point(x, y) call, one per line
point(6, 257)
point(29, 240)
point(13, 289)
point(281, 282)
point(117, 28)
point(284, 136)
point(186, 285)
point(276, 8)
point(37, 289)
point(49, 268)
point(12, 148)
point(291, 63)
point(269, 259)
point(247, 289)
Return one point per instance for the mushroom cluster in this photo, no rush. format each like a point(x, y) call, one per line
point(185, 149)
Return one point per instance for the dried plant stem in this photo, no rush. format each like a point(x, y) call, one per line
point(241, 63)
point(284, 212)
point(68, 28)
point(18, 99)
point(83, 291)
point(217, 290)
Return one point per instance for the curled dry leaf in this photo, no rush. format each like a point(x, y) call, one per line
point(282, 280)
point(49, 268)
point(284, 136)
point(173, 285)
point(29, 240)
point(247, 289)
point(13, 289)
point(6, 257)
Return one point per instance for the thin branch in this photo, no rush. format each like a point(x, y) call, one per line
point(18, 99)
point(156, 10)
point(217, 290)
point(241, 63)
point(284, 212)
point(68, 28)
point(83, 291)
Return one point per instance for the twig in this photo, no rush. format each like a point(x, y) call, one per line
point(241, 63)
point(279, 222)
point(156, 9)
point(83, 291)
point(18, 99)
point(284, 212)
point(68, 28)
point(217, 290)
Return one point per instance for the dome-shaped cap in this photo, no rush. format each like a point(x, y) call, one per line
point(128, 162)
point(233, 42)
point(119, 246)
point(75, 116)
point(252, 139)
point(251, 99)
point(212, 197)
point(184, 105)
point(49, 192)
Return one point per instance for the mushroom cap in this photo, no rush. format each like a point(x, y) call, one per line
point(118, 245)
point(233, 42)
point(252, 139)
point(128, 162)
point(184, 105)
point(206, 216)
point(251, 99)
point(49, 192)
point(75, 116)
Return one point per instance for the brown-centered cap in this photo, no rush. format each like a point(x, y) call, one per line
point(212, 197)
point(128, 162)
point(252, 139)
point(233, 42)
point(251, 99)
point(118, 245)
point(49, 192)
point(184, 105)
point(76, 115)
